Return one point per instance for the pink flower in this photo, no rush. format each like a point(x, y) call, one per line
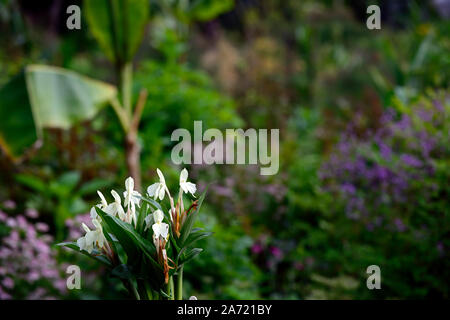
point(42, 227)
point(257, 248)
point(276, 252)
point(3, 216)
point(31, 213)
point(8, 283)
point(9, 204)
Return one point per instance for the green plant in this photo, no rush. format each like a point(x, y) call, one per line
point(122, 239)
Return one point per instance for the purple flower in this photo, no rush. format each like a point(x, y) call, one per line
point(257, 248)
point(385, 150)
point(276, 252)
point(399, 225)
point(348, 188)
point(410, 160)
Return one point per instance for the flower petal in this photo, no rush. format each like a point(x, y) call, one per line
point(183, 175)
point(161, 176)
point(116, 196)
point(151, 190)
point(104, 203)
point(158, 216)
point(129, 184)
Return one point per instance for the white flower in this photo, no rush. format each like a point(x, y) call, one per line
point(131, 197)
point(158, 189)
point(187, 187)
point(160, 229)
point(92, 237)
point(103, 205)
point(115, 208)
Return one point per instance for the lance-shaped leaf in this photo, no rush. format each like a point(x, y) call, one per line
point(195, 236)
point(94, 255)
point(47, 97)
point(118, 26)
point(189, 256)
point(132, 242)
point(190, 219)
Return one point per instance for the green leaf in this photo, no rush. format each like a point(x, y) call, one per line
point(60, 98)
point(121, 235)
point(94, 185)
point(118, 26)
point(129, 239)
point(164, 294)
point(96, 255)
point(189, 256)
point(46, 97)
point(190, 219)
point(32, 182)
point(152, 202)
point(69, 180)
point(195, 236)
point(17, 129)
point(204, 10)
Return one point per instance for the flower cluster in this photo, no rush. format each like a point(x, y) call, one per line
point(127, 228)
point(377, 171)
point(28, 266)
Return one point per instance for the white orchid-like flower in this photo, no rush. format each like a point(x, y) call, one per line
point(102, 205)
point(187, 187)
point(158, 189)
point(131, 198)
point(92, 237)
point(160, 229)
point(115, 208)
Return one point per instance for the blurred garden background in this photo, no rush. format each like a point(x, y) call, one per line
point(364, 125)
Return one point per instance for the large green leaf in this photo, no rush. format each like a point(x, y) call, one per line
point(59, 97)
point(47, 97)
point(17, 130)
point(118, 26)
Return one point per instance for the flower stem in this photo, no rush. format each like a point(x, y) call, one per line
point(171, 289)
point(135, 293)
point(180, 284)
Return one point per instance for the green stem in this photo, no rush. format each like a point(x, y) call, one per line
point(133, 288)
point(149, 291)
point(180, 284)
point(171, 289)
point(126, 81)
